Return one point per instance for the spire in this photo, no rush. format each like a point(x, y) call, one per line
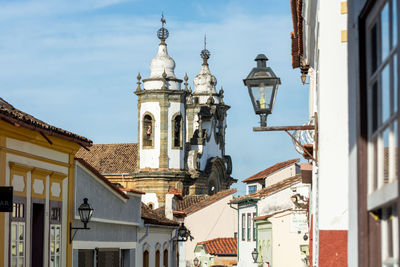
point(205, 54)
point(205, 82)
point(162, 62)
point(162, 33)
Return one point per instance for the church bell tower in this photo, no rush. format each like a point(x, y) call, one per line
point(161, 125)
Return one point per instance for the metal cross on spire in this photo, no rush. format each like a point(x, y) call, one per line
point(205, 54)
point(162, 33)
point(163, 21)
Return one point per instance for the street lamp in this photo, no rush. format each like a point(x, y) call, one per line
point(196, 262)
point(184, 233)
point(254, 254)
point(85, 211)
point(262, 84)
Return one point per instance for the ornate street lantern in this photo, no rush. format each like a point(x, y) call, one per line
point(262, 84)
point(254, 254)
point(184, 233)
point(85, 211)
point(196, 262)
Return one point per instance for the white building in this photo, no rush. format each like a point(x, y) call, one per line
point(319, 49)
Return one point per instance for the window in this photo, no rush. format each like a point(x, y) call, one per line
point(382, 94)
point(55, 245)
point(85, 258)
point(55, 214)
point(254, 228)
point(248, 226)
point(145, 259)
point(18, 210)
point(157, 258)
point(18, 244)
point(148, 135)
point(379, 125)
point(252, 189)
point(177, 131)
point(165, 258)
point(108, 257)
point(243, 226)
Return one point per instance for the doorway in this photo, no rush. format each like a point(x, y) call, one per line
point(37, 242)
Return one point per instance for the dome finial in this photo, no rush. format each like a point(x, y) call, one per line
point(162, 33)
point(205, 54)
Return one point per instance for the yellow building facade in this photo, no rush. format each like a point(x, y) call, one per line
point(37, 160)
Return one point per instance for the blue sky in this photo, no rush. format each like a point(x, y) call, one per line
point(73, 64)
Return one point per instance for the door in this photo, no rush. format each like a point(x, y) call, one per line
point(37, 242)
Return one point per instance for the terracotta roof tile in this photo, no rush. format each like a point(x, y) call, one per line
point(297, 34)
point(220, 246)
point(19, 118)
point(130, 190)
point(176, 191)
point(270, 189)
point(189, 201)
point(112, 158)
point(101, 177)
point(151, 217)
point(263, 174)
point(208, 200)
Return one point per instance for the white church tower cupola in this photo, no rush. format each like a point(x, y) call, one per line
point(162, 66)
point(205, 82)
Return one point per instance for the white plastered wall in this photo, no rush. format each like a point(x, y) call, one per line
point(176, 156)
point(332, 94)
point(149, 157)
point(215, 220)
point(280, 175)
point(245, 247)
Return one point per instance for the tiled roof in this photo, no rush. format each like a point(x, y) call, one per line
point(19, 118)
point(263, 174)
point(101, 177)
point(189, 201)
point(208, 200)
point(270, 189)
point(297, 34)
point(130, 190)
point(112, 158)
point(176, 191)
point(220, 246)
point(151, 217)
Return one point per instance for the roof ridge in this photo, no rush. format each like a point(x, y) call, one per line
point(271, 170)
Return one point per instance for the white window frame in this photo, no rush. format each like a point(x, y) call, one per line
point(17, 241)
point(382, 192)
point(53, 245)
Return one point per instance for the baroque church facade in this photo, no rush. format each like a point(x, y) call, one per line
point(181, 135)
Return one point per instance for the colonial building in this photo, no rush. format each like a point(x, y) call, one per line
point(217, 252)
point(37, 160)
point(181, 134)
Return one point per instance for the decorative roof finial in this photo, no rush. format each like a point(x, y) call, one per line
point(138, 82)
point(205, 54)
point(162, 33)
point(186, 82)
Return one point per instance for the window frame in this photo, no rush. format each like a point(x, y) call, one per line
point(173, 133)
point(55, 240)
point(249, 227)
point(144, 131)
point(243, 226)
point(254, 228)
point(17, 241)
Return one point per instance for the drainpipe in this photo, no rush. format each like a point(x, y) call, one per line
point(145, 235)
point(237, 241)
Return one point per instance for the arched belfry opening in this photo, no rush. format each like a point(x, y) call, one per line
point(148, 131)
point(177, 131)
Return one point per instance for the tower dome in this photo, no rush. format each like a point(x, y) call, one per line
point(205, 82)
point(162, 66)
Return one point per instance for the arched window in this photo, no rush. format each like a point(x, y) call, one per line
point(165, 258)
point(157, 258)
point(145, 258)
point(148, 135)
point(177, 131)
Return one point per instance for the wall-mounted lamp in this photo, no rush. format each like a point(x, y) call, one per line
point(184, 233)
point(85, 213)
point(254, 254)
point(196, 262)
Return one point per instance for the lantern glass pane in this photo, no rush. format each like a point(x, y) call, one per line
point(262, 96)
